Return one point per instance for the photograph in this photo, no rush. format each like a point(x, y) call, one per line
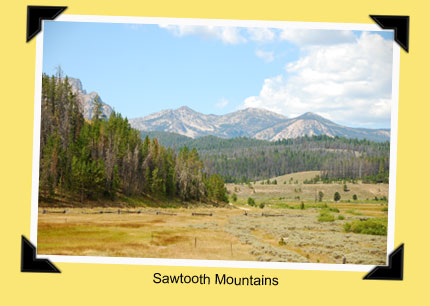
point(215, 140)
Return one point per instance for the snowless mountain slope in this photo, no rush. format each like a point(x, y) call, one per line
point(250, 122)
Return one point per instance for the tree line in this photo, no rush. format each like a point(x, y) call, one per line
point(336, 157)
point(103, 158)
point(243, 159)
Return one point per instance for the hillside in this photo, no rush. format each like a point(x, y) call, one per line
point(294, 191)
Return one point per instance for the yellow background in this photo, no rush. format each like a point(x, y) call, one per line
point(100, 284)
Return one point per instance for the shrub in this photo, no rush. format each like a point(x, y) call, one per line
point(336, 196)
point(234, 197)
point(354, 197)
point(345, 188)
point(261, 205)
point(384, 208)
point(333, 209)
point(340, 217)
point(325, 217)
point(282, 241)
point(251, 201)
point(375, 226)
point(320, 196)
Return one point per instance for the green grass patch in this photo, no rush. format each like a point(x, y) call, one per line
point(332, 209)
point(325, 217)
point(375, 226)
point(353, 212)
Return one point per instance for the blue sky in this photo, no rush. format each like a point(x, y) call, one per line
point(142, 69)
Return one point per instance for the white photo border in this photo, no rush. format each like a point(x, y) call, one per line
point(214, 263)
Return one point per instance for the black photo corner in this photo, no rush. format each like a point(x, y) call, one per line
point(35, 15)
point(29, 262)
point(394, 269)
point(400, 25)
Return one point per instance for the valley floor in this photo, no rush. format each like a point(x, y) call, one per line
point(228, 234)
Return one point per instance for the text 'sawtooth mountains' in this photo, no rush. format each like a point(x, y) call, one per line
point(250, 122)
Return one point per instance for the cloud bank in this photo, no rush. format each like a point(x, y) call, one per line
point(349, 83)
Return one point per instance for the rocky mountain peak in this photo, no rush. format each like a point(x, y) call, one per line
point(86, 101)
point(310, 115)
point(185, 108)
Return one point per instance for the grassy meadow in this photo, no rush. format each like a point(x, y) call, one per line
point(287, 229)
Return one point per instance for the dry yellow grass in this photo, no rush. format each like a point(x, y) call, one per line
point(143, 235)
point(226, 235)
point(299, 176)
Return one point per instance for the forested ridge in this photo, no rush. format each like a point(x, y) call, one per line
point(102, 158)
point(337, 158)
point(245, 159)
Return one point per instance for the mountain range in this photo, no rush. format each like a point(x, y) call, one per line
point(250, 122)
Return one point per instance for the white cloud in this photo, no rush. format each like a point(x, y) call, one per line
point(308, 37)
point(222, 103)
point(349, 83)
point(228, 35)
point(266, 56)
point(263, 35)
